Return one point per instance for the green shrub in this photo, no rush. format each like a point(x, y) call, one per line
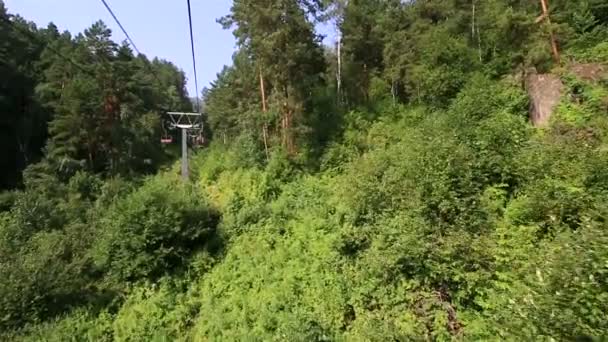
point(7, 199)
point(45, 276)
point(44, 268)
point(153, 230)
point(81, 325)
point(282, 283)
point(155, 313)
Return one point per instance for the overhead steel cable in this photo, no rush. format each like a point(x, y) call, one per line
point(46, 45)
point(105, 3)
point(120, 25)
point(198, 102)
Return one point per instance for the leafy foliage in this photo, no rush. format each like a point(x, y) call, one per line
point(419, 204)
point(151, 230)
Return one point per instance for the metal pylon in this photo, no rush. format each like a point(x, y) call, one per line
point(186, 122)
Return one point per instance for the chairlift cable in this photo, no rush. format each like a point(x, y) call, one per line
point(46, 45)
point(121, 27)
point(107, 6)
point(198, 102)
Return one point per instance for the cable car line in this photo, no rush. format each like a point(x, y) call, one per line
point(45, 45)
point(120, 25)
point(130, 40)
point(198, 102)
point(193, 121)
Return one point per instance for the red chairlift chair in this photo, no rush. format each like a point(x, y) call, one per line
point(199, 139)
point(165, 138)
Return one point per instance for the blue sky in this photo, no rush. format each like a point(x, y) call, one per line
point(158, 28)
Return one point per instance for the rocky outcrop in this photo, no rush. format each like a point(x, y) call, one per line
point(590, 72)
point(545, 91)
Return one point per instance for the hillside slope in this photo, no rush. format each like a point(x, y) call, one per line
point(465, 223)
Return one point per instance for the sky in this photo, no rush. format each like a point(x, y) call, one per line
point(159, 28)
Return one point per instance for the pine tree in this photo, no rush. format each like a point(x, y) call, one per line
point(281, 41)
point(22, 118)
point(108, 109)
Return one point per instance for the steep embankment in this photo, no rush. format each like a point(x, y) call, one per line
point(466, 223)
point(547, 90)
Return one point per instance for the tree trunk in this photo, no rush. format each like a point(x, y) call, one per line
point(479, 45)
point(473, 20)
point(545, 16)
point(339, 72)
point(23, 149)
point(284, 125)
point(23, 145)
point(289, 132)
point(91, 151)
point(475, 29)
point(265, 136)
point(264, 109)
point(365, 83)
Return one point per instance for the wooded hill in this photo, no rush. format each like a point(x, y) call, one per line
point(389, 188)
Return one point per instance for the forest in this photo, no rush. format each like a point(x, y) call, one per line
point(439, 174)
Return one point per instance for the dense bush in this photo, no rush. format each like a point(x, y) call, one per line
point(43, 244)
point(409, 198)
point(463, 223)
point(55, 250)
point(152, 230)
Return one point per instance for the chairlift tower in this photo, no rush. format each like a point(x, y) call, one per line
point(186, 122)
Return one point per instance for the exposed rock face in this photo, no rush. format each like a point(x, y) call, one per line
point(591, 72)
point(545, 91)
